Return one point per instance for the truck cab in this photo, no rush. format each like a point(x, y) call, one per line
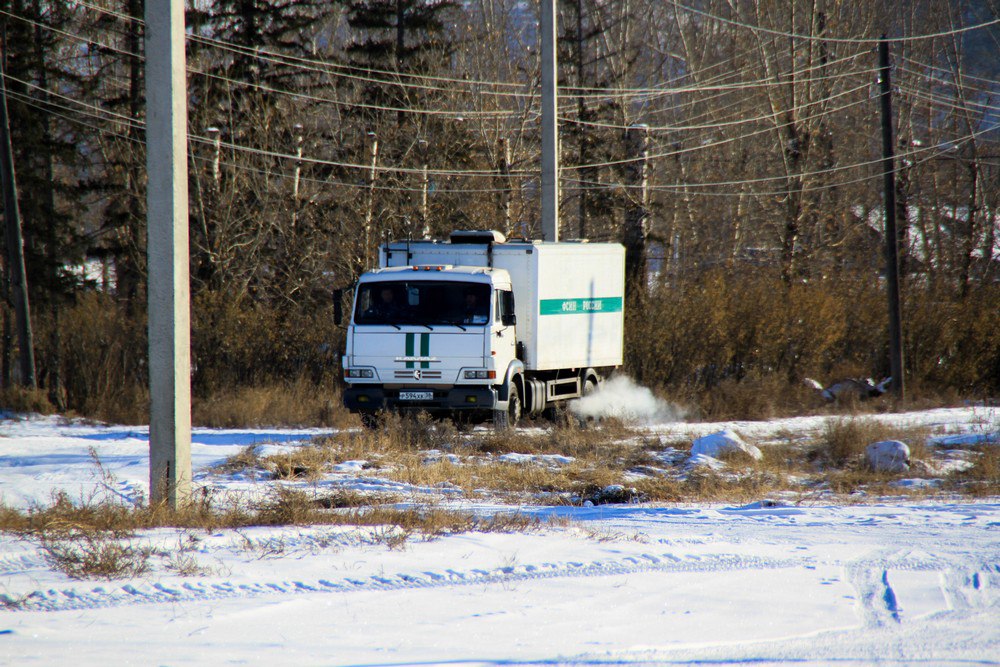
point(439, 338)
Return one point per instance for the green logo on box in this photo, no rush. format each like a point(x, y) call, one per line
point(611, 304)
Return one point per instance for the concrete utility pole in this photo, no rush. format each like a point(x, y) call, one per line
point(891, 235)
point(550, 126)
point(167, 250)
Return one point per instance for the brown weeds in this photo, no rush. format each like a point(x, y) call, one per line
point(297, 403)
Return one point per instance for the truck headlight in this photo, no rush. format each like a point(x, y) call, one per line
point(360, 373)
point(480, 375)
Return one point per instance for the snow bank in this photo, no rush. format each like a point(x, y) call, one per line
point(888, 456)
point(723, 442)
point(537, 459)
point(623, 399)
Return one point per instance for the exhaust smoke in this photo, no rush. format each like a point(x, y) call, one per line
point(623, 399)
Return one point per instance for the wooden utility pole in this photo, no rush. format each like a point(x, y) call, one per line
point(891, 235)
point(17, 279)
point(636, 209)
point(550, 124)
point(168, 258)
point(425, 184)
point(503, 168)
point(370, 204)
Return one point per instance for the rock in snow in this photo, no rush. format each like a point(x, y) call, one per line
point(723, 442)
point(888, 456)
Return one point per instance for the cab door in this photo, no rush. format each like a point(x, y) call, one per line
point(503, 339)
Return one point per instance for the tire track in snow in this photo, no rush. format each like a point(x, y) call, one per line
point(879, 603)
point(889, 597)
point(163, 591)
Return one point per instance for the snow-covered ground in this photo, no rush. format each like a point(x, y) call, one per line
point(902, 582)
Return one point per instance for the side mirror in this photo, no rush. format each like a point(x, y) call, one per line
point(338, 306)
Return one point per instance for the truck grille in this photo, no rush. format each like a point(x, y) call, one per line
point(424, 375)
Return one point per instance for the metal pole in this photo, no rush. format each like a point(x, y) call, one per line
point(891, 238)
point(167, 249)
point(550, 129)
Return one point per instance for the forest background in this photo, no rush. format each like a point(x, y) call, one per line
point(319, 128)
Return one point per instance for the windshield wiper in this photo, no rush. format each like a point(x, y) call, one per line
point(458, 324)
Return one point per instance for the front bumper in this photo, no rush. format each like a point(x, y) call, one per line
point(372, 398)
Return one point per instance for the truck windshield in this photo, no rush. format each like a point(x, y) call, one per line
point(422, 302)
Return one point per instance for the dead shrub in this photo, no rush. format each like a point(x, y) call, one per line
point(104, 359)
point(296, 403)
point(345, 498)
point(755, 398)
point(402, 432)
point(285, 506)
point(606, 441)
point(862, 479)
point(248, 458)
point(94, 555)
point(734, 343)
point(955, 341)
point(25, 400)
point(307, 462)
point(710, 485)
point(983, 477)
point(240, 342)
point(844, 440)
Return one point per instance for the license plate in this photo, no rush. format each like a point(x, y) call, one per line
point(416, 395)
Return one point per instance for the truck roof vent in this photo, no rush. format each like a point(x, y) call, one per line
point(476, 236)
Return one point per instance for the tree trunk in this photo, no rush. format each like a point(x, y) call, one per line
point(15, 246)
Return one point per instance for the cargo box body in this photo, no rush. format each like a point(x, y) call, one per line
point(569, 297)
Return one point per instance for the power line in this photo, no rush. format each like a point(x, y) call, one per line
point(73, 116)
point(823, 38)
point(295, 94)
point(103, 114)
point(719, 125)
point(942, 148)
point(727, 140)
point(956, 73)
point(944, 83)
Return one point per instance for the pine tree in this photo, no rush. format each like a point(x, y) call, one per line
point(49, 160)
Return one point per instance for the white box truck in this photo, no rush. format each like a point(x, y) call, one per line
point(483, 327)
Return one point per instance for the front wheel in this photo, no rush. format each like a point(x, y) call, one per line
point(504, 420)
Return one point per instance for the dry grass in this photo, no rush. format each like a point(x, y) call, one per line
point(95, 538)
point(297, 403)
point(844, 440)
point(94, 555)
point(983, 478)
point(23, 399)
point(604, 455)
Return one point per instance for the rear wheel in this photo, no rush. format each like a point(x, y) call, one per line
point(589, 387)
point(504, 420)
